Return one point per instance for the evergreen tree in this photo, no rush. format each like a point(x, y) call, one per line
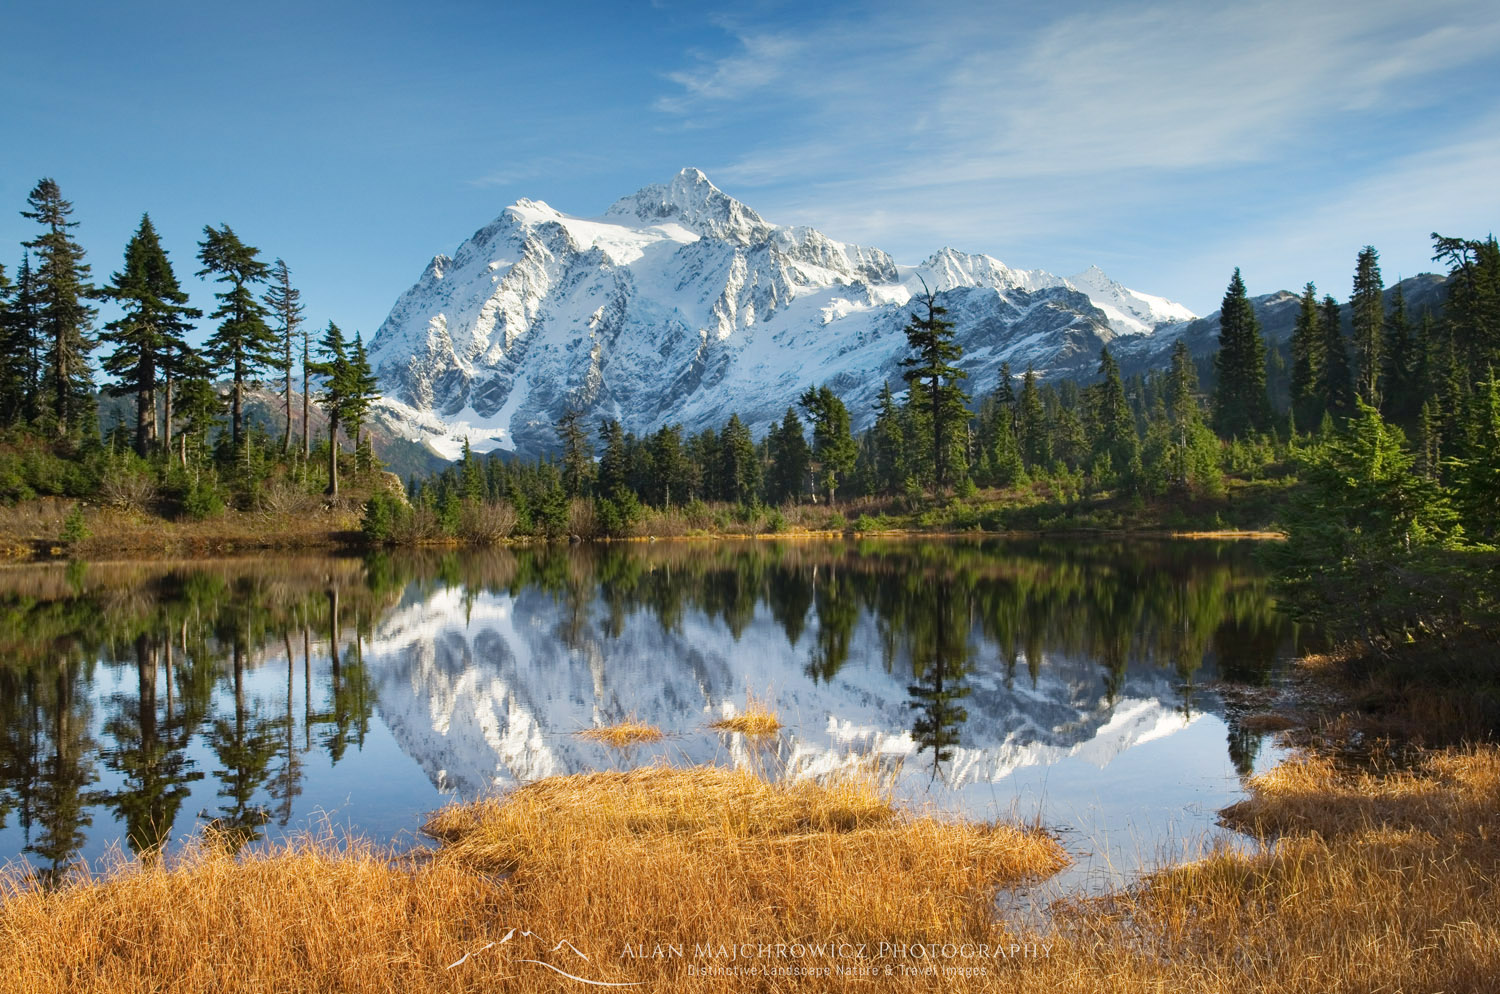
point(363, 390)
point(1307, 361)
point(243, 344)
point(833, 444)
point(890, 442)
point(152, 329)
point(25, 345)
point(1241, 406)
point(335, 369)
point(1031, 421)
point(12, 355)
point(932, 382)
point(1400, 363)
point(1477, 475)
point(1367, 318)
point(791, 460)
point(284, 302)
point(1115, 439)
point(578, 455)
point(614, 464)
point(1194, 450)
point(63, 317)
point(201, 407)
point(739, 468)
point(1336, 383)
point(1472, 311)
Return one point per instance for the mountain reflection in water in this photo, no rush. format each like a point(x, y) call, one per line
point(142, 702)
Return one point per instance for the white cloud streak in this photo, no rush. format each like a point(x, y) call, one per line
point(972, 119)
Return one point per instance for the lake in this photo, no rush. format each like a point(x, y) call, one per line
point(1072, 682)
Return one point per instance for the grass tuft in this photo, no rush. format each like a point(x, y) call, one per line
point(756, 720)
point(623, 733)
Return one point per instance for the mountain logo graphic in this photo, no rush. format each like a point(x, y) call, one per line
point(560, 944)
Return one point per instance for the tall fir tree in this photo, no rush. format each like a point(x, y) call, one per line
point(577, 453)
point(12, 354)
point(1307, 362)
point(1241, 405)
point(363, 391)
point(1115, 439)
point(1367, 320)
point(932, 379)
point(890, 443)
point(1400, 364)
point(833, 444)
point(243, 343)
point(1031, 424)
point(284, 302)
point(1472, 310)
point(1336, 383)
point(791, 460)
point(25, 343)
point(150, 332)
point(334, 368)
point(614, 462)
point(63, 316)
point(739, 467)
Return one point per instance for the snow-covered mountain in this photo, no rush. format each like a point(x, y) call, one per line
point(681, 304)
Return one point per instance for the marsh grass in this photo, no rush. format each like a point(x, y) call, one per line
point(1368, 880)
point(605, 861)
point(757, 719)
point(624, 733)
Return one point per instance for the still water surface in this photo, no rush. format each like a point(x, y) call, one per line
point(1066, 681)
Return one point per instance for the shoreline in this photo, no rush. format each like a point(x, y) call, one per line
point(1356, 866)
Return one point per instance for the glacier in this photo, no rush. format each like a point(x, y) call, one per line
point(682, 305)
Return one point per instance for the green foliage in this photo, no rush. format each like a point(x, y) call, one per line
point(242, 344)
point(75, 529)
point(1367, 316)
point(150, 336)
point(383, 517)
point(617, 514)
point(61, 316)
point(1241, 405)
point(933, 392)
point(1362, 527)
point(833, 444)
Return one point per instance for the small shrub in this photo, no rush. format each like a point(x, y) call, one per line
point(202, 500)
point(486, 522)
point(837, 523)
point(382, 518)
point(616, 516)
point(75, 529)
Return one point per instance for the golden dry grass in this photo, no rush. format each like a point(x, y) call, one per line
point(1377, 881)
point(607, 861)
point(756, 720)
point(623, 733)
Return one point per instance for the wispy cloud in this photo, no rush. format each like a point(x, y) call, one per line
point(531, 167)
point(972, 118)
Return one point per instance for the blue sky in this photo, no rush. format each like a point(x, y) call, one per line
point(1166, 142)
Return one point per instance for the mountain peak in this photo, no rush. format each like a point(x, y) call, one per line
point(691, 200)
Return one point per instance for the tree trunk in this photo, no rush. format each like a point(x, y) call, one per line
point(306, 432)
point(166, 410)
point(333, 457)
point(286, 439)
